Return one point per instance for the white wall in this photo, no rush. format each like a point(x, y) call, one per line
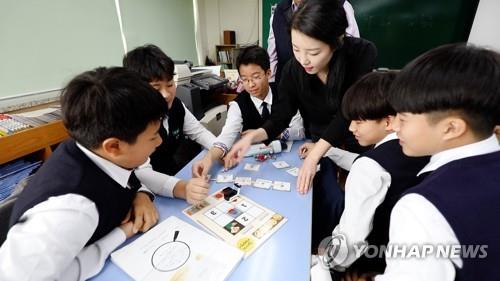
point(242, 16)
point(484, 30)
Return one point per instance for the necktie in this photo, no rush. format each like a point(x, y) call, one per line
point(134, 182)
point(265, 111)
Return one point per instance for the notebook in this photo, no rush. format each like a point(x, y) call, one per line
point(176, 250)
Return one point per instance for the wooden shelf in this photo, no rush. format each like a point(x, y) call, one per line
point(226, 55)
point(35, 140)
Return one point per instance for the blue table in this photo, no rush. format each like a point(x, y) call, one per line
point(286, 254)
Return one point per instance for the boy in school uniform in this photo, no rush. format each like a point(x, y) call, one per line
point(158, 69)
point(75, 210)
point(250, 109)
point(154, 66)
point(448, 104)
point(377, 177)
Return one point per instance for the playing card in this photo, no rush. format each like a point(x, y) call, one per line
point(224, 178)
point(243, 180)
point(293, 171)
point(281, 185)
point(252, 167)
point(281, 164)
point(261, 183)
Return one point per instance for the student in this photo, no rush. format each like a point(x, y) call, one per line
point(377, 177)
point(448, 103)
point(158, 69)
point(73, 212)
point(279, 42)
point(326, 63)
point(250, 109)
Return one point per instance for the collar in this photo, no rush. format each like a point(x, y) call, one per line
point(389, 137)
point(294, 7)
point(117, 173)
point(268, 99)
point(439, 159)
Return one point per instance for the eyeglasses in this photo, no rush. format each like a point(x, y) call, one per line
point(253, 79)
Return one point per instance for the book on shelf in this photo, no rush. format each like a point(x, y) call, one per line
point(13, 123)
point(13, 172)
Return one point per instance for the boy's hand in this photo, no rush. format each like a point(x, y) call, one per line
point(305, 149)
point(229, 163)
point(238, 151)
point(196, 190)
point(144, 213)
point(246, 132)
point(201, 167)
point(127, 229)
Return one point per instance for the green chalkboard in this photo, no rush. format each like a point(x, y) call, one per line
point(403, 29)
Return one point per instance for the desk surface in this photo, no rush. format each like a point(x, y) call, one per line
point(286, 254)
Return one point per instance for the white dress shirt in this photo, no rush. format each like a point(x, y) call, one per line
point(351, 30)
point(50, 244)
point(163, 184)
point(343, 158)
point(194, 130)
point(365, 189)
point(234, 123)
point(415, 220)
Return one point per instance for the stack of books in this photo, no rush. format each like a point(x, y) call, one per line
point(13, 172)
point(9, 125)
point(39, 117)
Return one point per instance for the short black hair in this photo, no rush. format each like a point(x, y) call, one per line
point(253, 55)
point(109, 102)
point(452, 79)
point(367, 98)
point(150, 62)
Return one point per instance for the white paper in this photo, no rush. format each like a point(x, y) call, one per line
point(223, 178)
point(281, 164)
point(252, 167)
point(194, 255)
point(293, 171)
point(243, 181)
point(281, 186)
point(261, 183)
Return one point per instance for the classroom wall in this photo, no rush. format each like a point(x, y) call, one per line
point(484, 30)
point(242, 16)
point(43, 44)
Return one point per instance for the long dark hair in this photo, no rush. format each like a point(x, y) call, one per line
point(326, 21)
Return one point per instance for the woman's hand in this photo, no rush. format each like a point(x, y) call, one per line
point(305, 149)
point(308, 169)
point(306, 175)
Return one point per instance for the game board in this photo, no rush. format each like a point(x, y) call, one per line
point(241, 222)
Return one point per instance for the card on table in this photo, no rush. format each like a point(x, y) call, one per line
point(281, 164)
point(293, 171)
point(252, 167)
point(243, 180)
point(221, 178)
point(261, 183)
point(281, 186)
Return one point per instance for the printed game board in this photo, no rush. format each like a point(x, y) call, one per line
point(240, 222)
